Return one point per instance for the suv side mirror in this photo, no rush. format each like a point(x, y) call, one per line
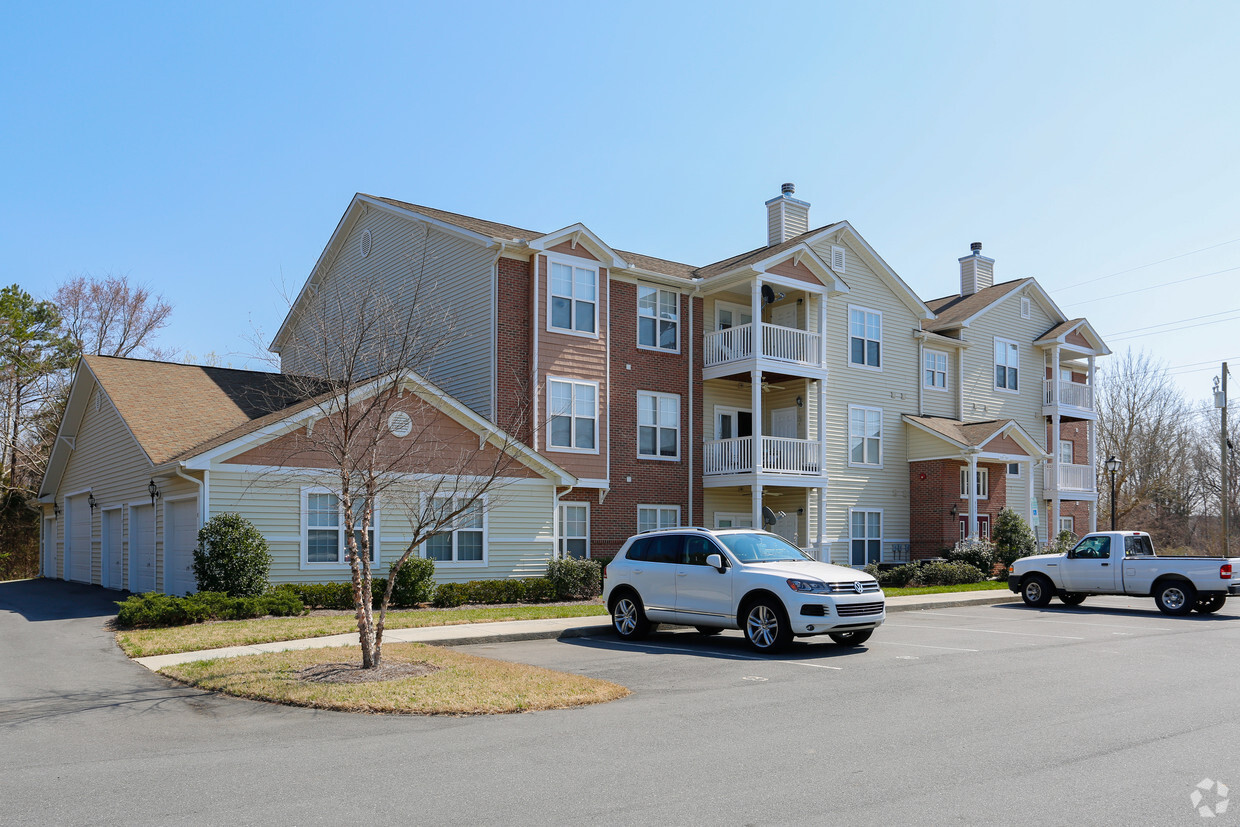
point(716, 561)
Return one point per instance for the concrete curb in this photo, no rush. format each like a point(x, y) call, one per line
point(513, 630)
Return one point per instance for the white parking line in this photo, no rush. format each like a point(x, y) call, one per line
point(1061, 622)
point(983, 631)
point(736, 657)
point(925, 646)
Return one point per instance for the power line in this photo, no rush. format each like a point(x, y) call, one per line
point(1177, 321)
point(1151, 264)
point(1175, 329)
point(1154, 286)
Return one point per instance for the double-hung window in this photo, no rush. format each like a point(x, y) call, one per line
point(658, 318)
point(866, 538)
point(983, 483)
point(463, 538)
point(650, 517)
point(326, 536)
point(658, 425)
point(865, 436)
point(1065, 452)
point(572, 415)
point(575, 530)
point(865, 337)
point(574, 298)
point(1007, 365)
point(936, 369)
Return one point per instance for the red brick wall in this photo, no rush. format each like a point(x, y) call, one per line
point(932, 526)
point(514, 348)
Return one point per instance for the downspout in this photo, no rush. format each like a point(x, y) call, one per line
point(535, 427)
point(690, 446)
point(607, 380)
point(202, 500)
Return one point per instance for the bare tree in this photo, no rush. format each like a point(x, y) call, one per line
point(373, 431)
point(108, 316)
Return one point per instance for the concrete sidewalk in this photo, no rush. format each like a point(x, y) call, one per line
point(462, 634)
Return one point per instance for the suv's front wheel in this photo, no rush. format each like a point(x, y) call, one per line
point(628, 617)
point(766, 626)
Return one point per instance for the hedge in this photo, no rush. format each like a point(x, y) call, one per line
point(155, 609)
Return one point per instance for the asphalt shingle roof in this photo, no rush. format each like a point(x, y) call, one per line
point(950, 311)
point(970, 434)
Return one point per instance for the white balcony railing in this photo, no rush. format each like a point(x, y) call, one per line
point(1071, 394)
point(782, 344)
point(1076, 478)
point(780, 455)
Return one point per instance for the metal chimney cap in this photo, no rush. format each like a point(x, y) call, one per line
point(787, 189)
point(976, 246)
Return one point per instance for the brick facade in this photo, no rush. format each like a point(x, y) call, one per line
point(934, 488)
point(514, 349)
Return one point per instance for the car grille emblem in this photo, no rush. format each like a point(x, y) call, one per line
point(857, 587)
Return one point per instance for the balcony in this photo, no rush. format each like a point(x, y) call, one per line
point(785, 345)
point(780, 455)
point(1078, 398)
point(1075, 479)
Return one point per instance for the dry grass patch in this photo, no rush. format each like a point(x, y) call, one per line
point(445, 682)
point(141, 643)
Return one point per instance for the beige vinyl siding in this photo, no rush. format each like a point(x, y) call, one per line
point(936, 401)
point(922, 445)
point(722, 392)
point(519, 526)
point(893, 389)
point(456, 275)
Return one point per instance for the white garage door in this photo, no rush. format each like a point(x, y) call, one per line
point(180, 540)
point(78, 511)
point(141, 550)
point(112, 551)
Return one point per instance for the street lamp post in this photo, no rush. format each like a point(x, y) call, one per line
point(1113, 465)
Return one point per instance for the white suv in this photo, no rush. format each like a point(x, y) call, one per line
point(737, 579)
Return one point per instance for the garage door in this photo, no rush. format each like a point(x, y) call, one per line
point(77, 509)
point(180, 540)
point(141, 550)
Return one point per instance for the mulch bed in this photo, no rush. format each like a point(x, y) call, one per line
point(354, 673)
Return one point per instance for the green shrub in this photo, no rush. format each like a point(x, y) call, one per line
point(450, 595)
point(539, 590)
point(976, 552)
point(575, 579)
point(153, 609)
point(495, 591)
point(231, 557)
point(415, 582)
point(1063, 543)
point(332, 595)
point(949, 574)
point(1013, 538)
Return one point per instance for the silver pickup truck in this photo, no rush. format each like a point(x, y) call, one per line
point(1124, 562)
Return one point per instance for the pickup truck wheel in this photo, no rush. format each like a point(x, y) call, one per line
point(766, 626)
point(853, 638)
point(1175, 597)
point(628, 618)
point(1072, 598)
point(1036, 591)
point(1210, 605)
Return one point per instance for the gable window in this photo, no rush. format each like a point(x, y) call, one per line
point(936, 369)
point(464, 537)
point(1007, 365)
point(865, 332)
point(866, 537)
point(325, 535)
point(983, 483)
point(865, 436)
point(658, 425)
point(575, 530)
point(658, 318)
point(572, 415)
point(573, 305)
point(651, 517)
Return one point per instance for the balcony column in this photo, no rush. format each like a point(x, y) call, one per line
point(755, 308)
point(1052, 528)
point(822, 523)
point(1092, 430)
point(755, 402)
point(972, 532)
point(822, 333)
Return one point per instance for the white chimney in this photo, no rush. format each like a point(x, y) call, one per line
point(785, 216)
point(976, 271)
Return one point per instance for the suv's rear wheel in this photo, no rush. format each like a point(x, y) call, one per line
point(628, 617)
point(766, 626)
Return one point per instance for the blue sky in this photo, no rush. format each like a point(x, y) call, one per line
point(209, 150)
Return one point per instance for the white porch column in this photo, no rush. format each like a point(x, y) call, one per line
point(756, 503)
point(1053, 523)
point(822, 331)
point(972, 533)
point(1029, 466)
point(1093, 450)
point(755, 308)
point(822, 523)
point(755, 402)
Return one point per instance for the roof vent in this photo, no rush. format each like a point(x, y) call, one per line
point(788, 189)
point(786, 217)
point(976, 247)
point(976, 271)
point(367, 243)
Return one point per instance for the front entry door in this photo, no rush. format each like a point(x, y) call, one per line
point(983, 526)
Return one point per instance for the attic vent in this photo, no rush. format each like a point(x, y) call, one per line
point(400, 423)
point(837, 259)
point(98, 402)
point(1025, 310)
point(366, 243)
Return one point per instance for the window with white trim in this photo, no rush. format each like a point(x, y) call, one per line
point(658, 318)
point(572, 305)
point(325, 535)
point(575, 530)
point(865, 537)
point(935, 370)
point(1007, 365)
point(572, 421)
point(463, 539)
point(865, 337)
point(658, 425)
point(1065, 452)
point(983, 483)
point(651, 517)
point(1067, 524)
point(1013, 469)
point(865, 436)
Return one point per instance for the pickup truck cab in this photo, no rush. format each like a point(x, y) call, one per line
point(1124, 562)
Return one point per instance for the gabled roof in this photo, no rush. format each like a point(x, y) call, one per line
point(1060, 332)
point(953, 311)
point(975, 435)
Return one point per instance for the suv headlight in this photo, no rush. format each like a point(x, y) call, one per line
point(809, 586)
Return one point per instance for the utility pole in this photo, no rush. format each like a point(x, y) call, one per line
point(1226, 499)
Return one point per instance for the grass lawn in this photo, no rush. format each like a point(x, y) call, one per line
point(140, 643)
point(985, 585)
point(460, 685)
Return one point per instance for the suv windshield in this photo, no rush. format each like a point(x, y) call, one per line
point(761, 548)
